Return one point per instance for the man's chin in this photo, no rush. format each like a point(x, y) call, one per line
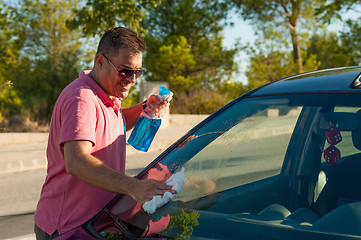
point(123, 95)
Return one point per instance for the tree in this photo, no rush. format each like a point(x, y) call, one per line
point(333, 8)
point(185, 49)
point(338, 49)
point(329, 49)
point(10, 103)
point(351, 42)
point(9, 47)
point(183, 38)
point(99, 15)
point(274, 65)
point(49, 55)
point(296, 16)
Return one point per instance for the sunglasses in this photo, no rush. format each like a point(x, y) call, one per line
point(126, 72)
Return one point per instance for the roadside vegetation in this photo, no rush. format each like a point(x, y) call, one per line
point(44, 44)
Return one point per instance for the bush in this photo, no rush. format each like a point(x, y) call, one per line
point(198, 102)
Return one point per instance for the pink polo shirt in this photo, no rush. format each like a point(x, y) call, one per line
point(83, 111)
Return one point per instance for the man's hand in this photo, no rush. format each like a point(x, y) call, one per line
point(145, 190)
point(156, 106)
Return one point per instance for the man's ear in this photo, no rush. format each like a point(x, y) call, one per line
point(99, 61)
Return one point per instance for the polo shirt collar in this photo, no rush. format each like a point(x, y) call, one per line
point(108, 102)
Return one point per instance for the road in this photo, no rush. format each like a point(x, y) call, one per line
point(20, 193)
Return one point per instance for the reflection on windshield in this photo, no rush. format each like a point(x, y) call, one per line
point(245, 147)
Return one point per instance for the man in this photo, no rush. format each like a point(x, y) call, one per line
point(86, 146)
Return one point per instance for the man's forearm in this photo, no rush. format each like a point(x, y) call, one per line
point(93, 171)
point(82, 165)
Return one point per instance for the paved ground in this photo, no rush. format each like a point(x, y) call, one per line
point(30, 155)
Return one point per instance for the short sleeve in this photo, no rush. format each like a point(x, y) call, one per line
point(78, 118)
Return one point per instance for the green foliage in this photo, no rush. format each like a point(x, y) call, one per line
point(10, 103)
point(351, 42)
point(185, 49)
point(114, 236)
point(171, 63)
point(49, 55)
point(336, 50)
point(98, 15)
point(40, 82)
point(232, 89)
point(271, 60)
point(330, 52)
point(198, 101)
point(181, 225)
point(265, 68)
point(184, 41)
point(333, 8)
point(9, 47)
point(40, 55)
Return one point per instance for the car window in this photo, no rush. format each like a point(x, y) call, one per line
point(345, 146)
point(251, 150)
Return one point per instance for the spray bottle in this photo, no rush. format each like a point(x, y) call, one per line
point(147, 125)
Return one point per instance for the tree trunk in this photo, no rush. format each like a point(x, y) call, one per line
point(293, 20)
point(296, 50)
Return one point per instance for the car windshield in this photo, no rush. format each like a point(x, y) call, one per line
point(256, 161)
point(244, 144)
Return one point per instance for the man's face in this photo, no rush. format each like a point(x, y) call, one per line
point(114, 83)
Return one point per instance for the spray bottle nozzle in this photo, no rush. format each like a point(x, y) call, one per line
point(164, 93)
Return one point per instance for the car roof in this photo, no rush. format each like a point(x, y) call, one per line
point(328, 80)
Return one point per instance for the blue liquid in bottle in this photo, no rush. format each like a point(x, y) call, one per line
point(147, 126)
point(144, 132)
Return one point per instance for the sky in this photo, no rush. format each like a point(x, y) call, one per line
point(240, 31)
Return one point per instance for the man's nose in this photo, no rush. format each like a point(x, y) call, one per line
point(132, 78)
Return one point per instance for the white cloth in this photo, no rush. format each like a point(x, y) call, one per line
point(176, 181)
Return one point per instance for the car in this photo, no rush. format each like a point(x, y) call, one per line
point(282, 161)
